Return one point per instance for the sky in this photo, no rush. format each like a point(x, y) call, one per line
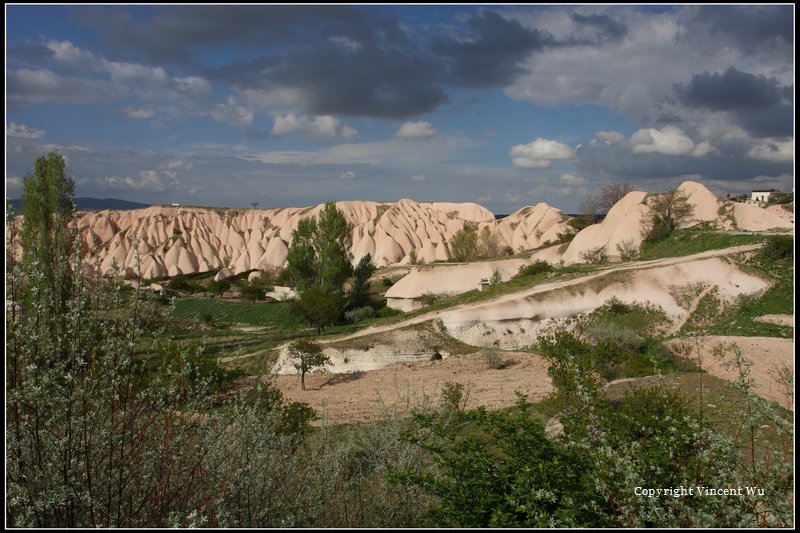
point(505, 106)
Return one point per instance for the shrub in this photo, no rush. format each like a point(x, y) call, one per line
point(496, 278)
point(387, 282)
point(453, 398)
point(493, 358)
point(360, 313)
point(777, 247)
point(429, 298)
point(384, 312)
point(628, 251)
point(537, 267)
point(595, 256)
point(781, 198)
point(464, 245)
point(623, 337)
point(616, 306)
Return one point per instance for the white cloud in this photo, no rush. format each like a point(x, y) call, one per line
point(669, 140)
point(571, 179)
point(21, 130)
point(774, 152)
point(540, 153)
point(347, 175)
point(231, 112)
point(415, 130)
point(419, 177)
point(323, 126)
point(351, 45)
point(138, 114)
point(609, 137)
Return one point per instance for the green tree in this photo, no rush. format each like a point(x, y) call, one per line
point(253, 290)
point(48, 206)
point(359, 293)
point(219, 287)
point(319, 255)
point(307, 355)
point(317, 308)
point(464, 245)
point(666, 212)
point(489, 243)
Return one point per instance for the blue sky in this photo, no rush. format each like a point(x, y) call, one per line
point(502, 105)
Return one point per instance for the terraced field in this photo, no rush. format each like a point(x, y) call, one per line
point(223, 312)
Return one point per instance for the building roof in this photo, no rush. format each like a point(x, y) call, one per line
point(763, 190)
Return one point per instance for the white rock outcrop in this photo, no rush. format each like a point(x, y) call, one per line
point(183, 240)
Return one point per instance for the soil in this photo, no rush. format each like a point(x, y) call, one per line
point(399, 388)
point(768, 354)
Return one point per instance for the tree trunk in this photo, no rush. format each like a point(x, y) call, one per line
point(302, 381)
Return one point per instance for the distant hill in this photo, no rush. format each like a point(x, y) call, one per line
point(94, 204)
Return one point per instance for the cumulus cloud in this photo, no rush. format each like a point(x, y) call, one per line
point(21, 130)
point(609, 137)
point(419, 177)
point(775, 152)
point(669, 140)
point(324, 126)
point(77, 80)
point(761, 105)
point(415, 130)
point(233, 113)
point(539, 153)
point(347, 175)
point(138, 114)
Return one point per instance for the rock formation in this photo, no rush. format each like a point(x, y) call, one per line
point(166, 241)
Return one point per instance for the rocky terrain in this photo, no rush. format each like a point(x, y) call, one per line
point(164, 241)
point(182, 240)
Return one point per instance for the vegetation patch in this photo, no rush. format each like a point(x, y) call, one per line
point(690, 241)
point(267, 315)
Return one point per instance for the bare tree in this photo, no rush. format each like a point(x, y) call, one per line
point(667, 211)
point(605, 199)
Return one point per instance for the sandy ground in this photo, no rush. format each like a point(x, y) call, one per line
point(769, 355)
point(401, 387)
point(780, 320)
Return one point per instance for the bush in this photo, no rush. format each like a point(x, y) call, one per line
point(616, 306)
point(628, 251)
point(358, 314)
point(429, 298)
point(780, 198)
point(453, 398)
point(777, 247)
point(537, 267)
point(493, 358)
point(595, 256)
point(384, 312)
point(623, 337)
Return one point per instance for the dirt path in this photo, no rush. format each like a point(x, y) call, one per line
point(546, 287)
point(399, 388)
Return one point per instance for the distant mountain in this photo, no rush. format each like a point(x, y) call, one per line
point(94, 204)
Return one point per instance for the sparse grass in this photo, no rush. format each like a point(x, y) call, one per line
point(695, 240)
point(738, 319)
point(427, 332)
point(636, 318)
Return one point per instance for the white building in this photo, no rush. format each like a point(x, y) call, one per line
point(761, 195)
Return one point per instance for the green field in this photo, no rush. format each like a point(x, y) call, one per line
point(222, 312)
